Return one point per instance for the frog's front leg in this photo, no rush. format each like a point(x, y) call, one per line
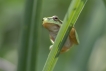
point(64, 49)
point(50, 47)
point(52, 40)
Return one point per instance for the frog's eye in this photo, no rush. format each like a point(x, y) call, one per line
point(55, 18)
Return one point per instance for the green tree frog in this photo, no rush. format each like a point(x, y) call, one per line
point(53, 24)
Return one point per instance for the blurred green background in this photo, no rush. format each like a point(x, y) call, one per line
point(90, 55)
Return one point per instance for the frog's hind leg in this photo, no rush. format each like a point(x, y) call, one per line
point(64, 49)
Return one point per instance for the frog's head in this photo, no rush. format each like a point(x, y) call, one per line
point(52, 23)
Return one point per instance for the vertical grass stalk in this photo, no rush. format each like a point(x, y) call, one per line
point(24, 40)
point(34, 41)
point(30, 36)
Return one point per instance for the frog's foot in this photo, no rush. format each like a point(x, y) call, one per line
point(64, 49)
point(50, 48)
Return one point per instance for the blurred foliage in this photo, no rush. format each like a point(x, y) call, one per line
point(91, 27)
point(104, 2)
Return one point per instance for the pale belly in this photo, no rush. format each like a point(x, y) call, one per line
point(66, 45)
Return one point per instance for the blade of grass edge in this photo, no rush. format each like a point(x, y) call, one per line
point(64, 31)
point(104, 2)
point(24, 37)
point(27, 56)
point(34, 41)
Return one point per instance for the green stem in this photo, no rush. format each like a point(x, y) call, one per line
point(34, 41)
point(30, 36)
point(73, 13)
point(22, 61)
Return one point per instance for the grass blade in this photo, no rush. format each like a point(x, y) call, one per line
point(22, 61)
point(34, 41)
point(104, 2)
point(69, 20)
point(30, 36)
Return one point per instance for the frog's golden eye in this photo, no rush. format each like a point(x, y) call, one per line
point(55, 18)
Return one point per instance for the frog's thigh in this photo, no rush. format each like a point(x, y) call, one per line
point(64, 49)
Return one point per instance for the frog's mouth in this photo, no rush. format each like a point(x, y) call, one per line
point(51, 26)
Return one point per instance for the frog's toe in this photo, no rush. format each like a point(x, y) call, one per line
point(50, 47)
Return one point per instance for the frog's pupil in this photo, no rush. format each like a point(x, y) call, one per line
point(55, 17)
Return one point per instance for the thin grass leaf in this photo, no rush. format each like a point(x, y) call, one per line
point(92, 31)
point(70, 18)
point(30, 36)
point(24, 40)
point(34, 41)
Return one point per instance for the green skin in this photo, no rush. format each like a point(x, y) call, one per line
point(53, 24)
